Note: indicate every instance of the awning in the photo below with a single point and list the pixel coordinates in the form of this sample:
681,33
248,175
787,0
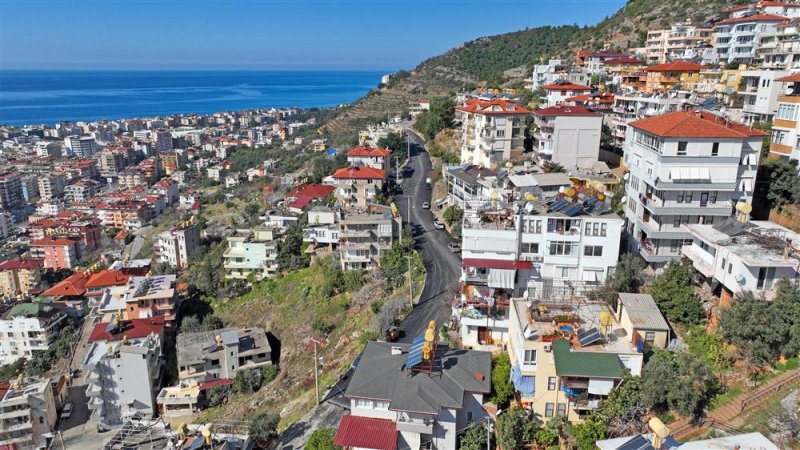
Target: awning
690,174
366,432
496,263
501,278
598,386
523,384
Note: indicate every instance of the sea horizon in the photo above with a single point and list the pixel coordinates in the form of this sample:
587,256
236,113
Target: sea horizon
31,96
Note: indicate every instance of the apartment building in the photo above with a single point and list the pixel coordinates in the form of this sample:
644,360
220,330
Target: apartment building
365,235
113,160
628,108
780,50
467,183
735,256
567,355
51,186
7,226
251,254
323,227
557,93
670,76
11,189
736,39
46,149
680,41
81,146
780,8
627,72
131,178
177,245
567,135
81,191
220,354
785,141
125,215
19,276
375,157
162,140
28,328
686,167
759,90
398,401
492,131
357,186
151,296
28,414
57,253
123,368
556,70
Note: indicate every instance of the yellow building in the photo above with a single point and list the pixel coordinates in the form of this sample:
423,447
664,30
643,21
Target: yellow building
18,277
720,80
665,77
567,355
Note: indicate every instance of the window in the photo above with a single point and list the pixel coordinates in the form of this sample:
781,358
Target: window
603,229
730,267
679,199
649,338
786,111
565,272
766,277
529,357
469,416
381,405
712,198
563,248
715,149
551,383
682,148
562,409
723,263
363,403
501,133
530,247
703,198
593,250
548,409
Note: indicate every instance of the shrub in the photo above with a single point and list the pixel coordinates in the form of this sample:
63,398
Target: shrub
269,373
264,428
247,381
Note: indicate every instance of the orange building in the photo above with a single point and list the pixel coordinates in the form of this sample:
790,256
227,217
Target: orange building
57,253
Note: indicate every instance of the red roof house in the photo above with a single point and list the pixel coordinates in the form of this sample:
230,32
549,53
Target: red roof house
695,124
366,432
359,173
134,328
370,152
72,286
496,106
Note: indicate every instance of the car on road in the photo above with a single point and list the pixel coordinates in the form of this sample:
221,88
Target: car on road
66,412
454,248
408,168
438,225
426,205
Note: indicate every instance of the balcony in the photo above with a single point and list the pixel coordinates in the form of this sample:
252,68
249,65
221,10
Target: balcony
701,260
412,425
17,426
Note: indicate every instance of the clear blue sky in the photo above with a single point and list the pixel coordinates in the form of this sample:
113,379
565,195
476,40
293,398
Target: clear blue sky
266,34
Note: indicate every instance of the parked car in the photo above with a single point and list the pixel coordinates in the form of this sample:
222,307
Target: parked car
454,248
66,412
426,205
438,225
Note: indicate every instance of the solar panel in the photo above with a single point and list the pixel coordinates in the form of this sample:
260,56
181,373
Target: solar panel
638,442
600,208
589,337
590,201
573,210
415,354
558,205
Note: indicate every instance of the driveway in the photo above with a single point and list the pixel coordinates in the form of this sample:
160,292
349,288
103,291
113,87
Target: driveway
443,267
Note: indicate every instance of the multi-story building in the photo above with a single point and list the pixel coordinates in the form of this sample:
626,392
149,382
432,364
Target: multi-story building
681,41
781,8
123,368
492,131
57,253
177,245
738,256
27,414
785,141
81,191
131,178
19,276
567,355
151,296
780,50
686,167
220,354
567,135
162,140
51,186
736,39
28,328
628,108
759,91
126,215
113,160
10,189
7,227
48,149
398,401
357,186
627,72
251,254
322,228
365,235
375,157
467,183
555,70
81,146
670,76
557,93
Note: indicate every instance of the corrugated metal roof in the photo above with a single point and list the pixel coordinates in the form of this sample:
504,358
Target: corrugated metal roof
643,312
366,432
497,264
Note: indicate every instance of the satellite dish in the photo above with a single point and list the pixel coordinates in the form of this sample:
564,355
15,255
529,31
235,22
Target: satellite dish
623,199
744,207
562,189
626,176
528,207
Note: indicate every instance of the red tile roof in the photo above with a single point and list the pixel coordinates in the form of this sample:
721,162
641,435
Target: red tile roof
694,124
566,87
217,382
565,111
753,18
369,151
497,264
762,4
793,78
301,202
21,264
311,190
496,106
622,60
72,286
359,172
136,328
108,277
48,241
676,66
366,432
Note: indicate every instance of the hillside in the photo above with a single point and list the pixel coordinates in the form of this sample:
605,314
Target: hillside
490,58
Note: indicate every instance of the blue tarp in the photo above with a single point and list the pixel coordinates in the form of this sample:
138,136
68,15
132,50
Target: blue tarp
522,383
332,151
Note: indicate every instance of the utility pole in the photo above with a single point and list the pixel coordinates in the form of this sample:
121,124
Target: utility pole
316,370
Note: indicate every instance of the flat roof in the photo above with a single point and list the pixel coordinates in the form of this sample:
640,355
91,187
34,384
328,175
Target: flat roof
759,243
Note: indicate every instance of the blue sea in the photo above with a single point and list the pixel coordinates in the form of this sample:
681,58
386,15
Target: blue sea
35,97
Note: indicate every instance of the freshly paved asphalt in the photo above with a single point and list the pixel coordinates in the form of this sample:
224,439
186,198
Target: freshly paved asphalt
442,266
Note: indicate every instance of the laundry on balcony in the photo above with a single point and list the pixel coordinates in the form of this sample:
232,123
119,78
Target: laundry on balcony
522,383
501,278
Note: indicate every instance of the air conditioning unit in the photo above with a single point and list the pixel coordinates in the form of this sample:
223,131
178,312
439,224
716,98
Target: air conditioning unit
548,347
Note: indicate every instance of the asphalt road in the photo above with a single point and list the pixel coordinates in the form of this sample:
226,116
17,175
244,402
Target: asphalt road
443,267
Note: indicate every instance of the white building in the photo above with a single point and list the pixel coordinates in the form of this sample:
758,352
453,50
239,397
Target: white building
555,70
162,140
51,186
786,124
48,149
28,328
736,39
567,135
628,108
492,131
759,91
81,146
557,93
365,235
780,50
27,415
323,227
176,246
251,254
81,191
735,257
685,168
681,41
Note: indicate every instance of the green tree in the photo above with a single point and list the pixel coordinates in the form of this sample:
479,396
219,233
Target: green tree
517,428
269,373
709,347
439,117
502,389
475,438
290,254
629,274
453,214
353,280
585,434
218,395
455,231
783,180
264,428
674,293
247,381
397,144
624,410
553,167
680,382
393,262
765,144
322,439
